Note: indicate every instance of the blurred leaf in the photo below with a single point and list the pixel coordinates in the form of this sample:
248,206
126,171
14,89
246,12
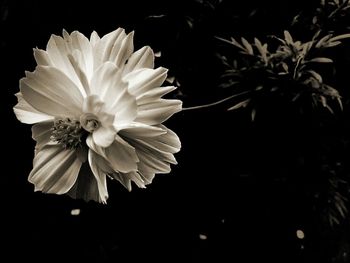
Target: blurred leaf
253,114
261,48
321,60
340,37
322,41
248,47
239,105
288,37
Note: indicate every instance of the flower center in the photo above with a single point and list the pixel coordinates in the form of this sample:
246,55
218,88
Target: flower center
68,132
89,122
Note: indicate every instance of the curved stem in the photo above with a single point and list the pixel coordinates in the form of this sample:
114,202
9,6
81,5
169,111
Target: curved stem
214,103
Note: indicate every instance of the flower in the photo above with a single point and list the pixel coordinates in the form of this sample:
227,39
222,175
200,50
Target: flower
97,110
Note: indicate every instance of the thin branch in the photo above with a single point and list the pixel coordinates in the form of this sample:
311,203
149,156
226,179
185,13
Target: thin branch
215,103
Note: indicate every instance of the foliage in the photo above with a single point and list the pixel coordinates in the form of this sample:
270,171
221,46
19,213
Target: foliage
290,71
299,74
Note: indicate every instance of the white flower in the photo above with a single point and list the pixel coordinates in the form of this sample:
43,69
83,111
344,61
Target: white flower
98,111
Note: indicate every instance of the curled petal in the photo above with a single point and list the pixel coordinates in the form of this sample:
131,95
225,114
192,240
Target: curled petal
104,136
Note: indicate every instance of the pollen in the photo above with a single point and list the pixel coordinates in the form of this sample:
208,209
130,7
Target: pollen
67,132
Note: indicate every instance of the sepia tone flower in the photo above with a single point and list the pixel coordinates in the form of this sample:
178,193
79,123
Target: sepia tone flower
97,110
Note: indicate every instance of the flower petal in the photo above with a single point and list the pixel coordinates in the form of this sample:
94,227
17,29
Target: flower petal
81,43
41,133
93,104
102,49
120,155
156,153
42,57
142,58
147,173
50,91
167,142
149,159
137,130
104,136
154,94
124,52
55,169
106,82
124,180
85,187
154,162
58,50
100,176
26,113
94,38
143,80
76,60
158,111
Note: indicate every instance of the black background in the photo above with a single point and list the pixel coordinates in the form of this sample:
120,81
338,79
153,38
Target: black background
223,186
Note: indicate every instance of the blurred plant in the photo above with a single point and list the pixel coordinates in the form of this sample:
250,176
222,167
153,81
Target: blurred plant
291,71
333,198
330,15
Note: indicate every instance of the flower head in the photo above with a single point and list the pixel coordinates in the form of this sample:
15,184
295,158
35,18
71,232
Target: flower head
97,110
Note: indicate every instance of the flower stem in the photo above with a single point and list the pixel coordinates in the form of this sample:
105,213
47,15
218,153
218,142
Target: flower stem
214,103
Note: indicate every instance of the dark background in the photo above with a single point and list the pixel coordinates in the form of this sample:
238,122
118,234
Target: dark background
237,194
